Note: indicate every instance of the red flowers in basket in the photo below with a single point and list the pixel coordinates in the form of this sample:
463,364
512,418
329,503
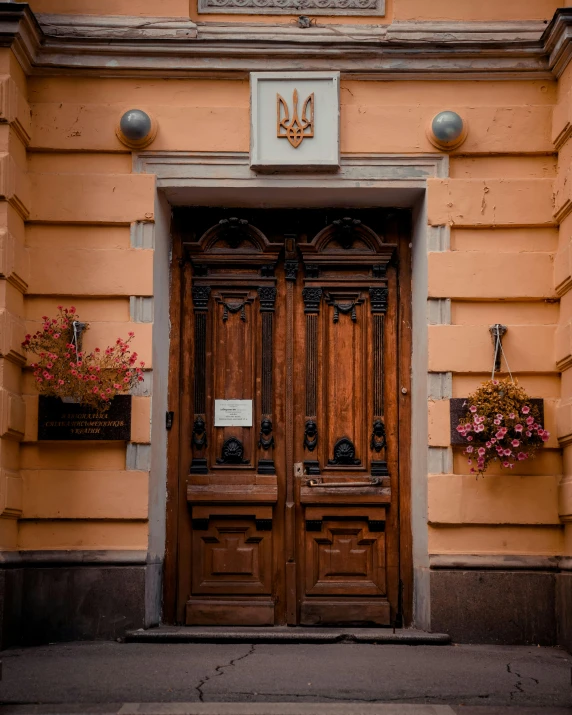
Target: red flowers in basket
63,370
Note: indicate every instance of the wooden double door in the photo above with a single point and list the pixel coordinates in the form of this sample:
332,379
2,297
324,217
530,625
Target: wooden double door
292,437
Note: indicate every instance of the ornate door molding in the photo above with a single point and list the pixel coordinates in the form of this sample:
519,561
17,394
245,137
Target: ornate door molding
292,518
349,510
232,484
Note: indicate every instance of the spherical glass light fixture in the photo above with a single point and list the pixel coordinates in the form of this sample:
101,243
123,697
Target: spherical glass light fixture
447,130
136,129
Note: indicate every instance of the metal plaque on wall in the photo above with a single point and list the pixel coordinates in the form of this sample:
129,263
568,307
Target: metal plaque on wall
233,413
59,420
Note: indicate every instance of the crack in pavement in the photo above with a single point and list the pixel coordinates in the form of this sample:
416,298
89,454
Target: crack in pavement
219,671
518,684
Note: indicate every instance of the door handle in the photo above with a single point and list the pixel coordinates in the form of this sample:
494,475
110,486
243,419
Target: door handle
373,482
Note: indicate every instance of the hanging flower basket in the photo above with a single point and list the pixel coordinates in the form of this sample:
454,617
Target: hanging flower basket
501,425
64,370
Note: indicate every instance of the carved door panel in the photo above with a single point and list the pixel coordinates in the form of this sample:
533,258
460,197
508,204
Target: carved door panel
232,484
292,517
346,411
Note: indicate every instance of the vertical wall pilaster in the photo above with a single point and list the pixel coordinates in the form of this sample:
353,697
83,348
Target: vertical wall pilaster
14,276
562,138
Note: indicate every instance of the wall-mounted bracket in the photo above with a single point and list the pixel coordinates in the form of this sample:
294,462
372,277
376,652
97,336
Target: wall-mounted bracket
497,332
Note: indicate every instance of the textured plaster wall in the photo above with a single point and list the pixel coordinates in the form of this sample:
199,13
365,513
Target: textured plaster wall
498,267
396,10
76,226
141,8
511,118
88,496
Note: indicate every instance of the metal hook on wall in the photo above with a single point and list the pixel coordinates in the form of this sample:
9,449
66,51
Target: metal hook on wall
78,329
497,332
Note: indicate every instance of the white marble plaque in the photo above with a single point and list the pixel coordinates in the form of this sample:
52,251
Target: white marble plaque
233,413
295,121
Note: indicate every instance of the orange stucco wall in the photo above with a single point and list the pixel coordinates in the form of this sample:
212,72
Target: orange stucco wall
69,196
396,10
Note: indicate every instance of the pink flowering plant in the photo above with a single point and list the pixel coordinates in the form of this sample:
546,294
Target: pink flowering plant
501,425
63,370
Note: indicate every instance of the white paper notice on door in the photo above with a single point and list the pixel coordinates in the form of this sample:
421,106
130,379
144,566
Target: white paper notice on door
233,413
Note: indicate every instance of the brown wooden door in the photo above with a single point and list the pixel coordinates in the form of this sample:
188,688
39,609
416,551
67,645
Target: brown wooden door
291,516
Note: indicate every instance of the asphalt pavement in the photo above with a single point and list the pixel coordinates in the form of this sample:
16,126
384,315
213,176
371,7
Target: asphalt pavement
285,679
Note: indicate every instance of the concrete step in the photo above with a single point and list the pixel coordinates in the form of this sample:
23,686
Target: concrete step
348,708
284,634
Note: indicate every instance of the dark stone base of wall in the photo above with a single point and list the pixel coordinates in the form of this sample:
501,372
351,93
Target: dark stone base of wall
11,590
41,604
564,609
497,607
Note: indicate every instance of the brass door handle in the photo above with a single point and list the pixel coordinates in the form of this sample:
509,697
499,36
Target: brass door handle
373,482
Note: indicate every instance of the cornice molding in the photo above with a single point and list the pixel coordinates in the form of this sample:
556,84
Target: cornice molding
441,37
401,51
556,41
116,28
116,46
20,30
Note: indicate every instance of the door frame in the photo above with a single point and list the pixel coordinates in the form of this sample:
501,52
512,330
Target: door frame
223,179
180,385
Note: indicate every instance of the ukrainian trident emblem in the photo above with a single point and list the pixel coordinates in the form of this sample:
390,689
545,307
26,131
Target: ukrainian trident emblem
299,127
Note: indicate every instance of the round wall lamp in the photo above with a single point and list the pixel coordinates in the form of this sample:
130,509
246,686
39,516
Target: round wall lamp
136,129
447,130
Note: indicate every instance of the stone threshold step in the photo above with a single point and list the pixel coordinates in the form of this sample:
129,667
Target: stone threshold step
348,708
284,634
227,708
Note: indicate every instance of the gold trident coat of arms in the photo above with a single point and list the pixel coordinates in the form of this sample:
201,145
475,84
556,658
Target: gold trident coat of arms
297,128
